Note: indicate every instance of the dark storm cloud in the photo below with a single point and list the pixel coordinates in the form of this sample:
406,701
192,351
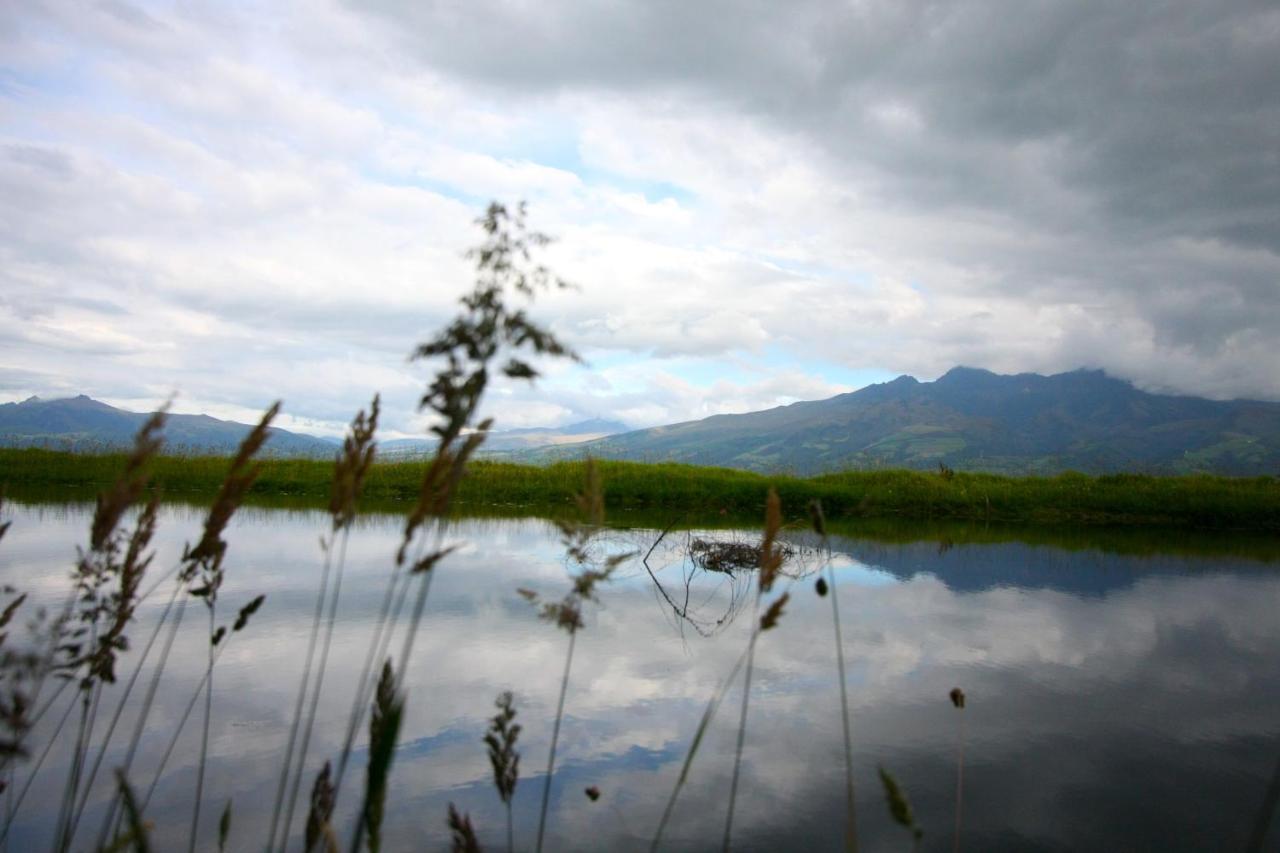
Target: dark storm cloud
1167,114
1117,160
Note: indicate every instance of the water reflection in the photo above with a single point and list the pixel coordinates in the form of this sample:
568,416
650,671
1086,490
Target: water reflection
1114,702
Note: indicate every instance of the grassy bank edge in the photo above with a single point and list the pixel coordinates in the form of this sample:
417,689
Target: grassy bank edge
1199,501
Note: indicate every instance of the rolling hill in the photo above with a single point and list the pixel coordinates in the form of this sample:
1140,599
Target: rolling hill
83,424
975,420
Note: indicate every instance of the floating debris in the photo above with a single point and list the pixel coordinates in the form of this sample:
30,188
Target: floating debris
729,557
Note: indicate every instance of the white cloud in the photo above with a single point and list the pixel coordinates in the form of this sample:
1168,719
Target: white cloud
206,196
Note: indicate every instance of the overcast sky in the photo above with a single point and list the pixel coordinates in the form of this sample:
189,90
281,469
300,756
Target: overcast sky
759,201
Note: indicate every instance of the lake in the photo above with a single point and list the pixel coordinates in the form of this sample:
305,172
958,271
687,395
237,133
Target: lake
1119,700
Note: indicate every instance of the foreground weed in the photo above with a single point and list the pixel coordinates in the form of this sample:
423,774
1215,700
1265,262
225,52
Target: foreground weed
488,334
384,730
900,807
771,557
958,702
500,740
819,521
462,834
318,819
349,473
576,537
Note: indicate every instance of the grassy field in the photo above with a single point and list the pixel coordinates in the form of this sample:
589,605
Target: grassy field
670,489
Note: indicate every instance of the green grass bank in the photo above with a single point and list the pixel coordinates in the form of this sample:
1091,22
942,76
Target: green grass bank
1125,499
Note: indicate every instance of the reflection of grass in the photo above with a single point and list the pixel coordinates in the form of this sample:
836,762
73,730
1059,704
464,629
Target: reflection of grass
1125,499
1130,540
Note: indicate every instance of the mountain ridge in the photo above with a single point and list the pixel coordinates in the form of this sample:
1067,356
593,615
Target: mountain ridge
83,424
974,419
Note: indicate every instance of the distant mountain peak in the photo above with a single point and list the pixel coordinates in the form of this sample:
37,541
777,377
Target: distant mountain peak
974,419
960,372
83,423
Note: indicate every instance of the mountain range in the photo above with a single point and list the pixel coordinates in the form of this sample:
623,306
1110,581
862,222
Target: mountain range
83,424
970,419
967,419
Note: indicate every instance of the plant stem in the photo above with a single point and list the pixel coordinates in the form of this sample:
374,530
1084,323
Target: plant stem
297,709
143,715
14,805
851,826
555,737
204,741
959,779
742,719
319,682
115,717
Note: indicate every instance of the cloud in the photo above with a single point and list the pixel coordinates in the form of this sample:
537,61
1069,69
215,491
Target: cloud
203,196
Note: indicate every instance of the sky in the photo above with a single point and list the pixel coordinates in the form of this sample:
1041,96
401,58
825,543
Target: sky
757,202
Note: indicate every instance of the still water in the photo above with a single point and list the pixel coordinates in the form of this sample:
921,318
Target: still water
1114,702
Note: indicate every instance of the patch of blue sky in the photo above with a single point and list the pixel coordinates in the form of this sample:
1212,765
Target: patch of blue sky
445,189
850,571
782,359
815,269
556,145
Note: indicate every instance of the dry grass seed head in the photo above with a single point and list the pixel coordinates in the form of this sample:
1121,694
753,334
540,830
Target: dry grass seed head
384,729
321,812
770,554
205,558
501,742
462,832
771,616
899,806
358,451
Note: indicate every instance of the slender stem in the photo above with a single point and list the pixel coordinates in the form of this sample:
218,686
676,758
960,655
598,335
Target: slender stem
707,716
959,779
1269,801
73,774
298,705
319,682
411,632
742,720
115,717
851,826
35,770
138,727
555,736
204,740
48,704
511,838
387,617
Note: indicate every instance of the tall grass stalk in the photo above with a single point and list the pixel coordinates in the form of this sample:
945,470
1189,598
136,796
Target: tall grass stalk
110,824
958,701
204,739
555,738
566,614
296,720
222,646
770,565
349,471
16,803
851,826
500,740
742,723
314,704
119,710
708,715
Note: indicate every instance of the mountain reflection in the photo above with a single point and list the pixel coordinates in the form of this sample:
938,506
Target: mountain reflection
1114,702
